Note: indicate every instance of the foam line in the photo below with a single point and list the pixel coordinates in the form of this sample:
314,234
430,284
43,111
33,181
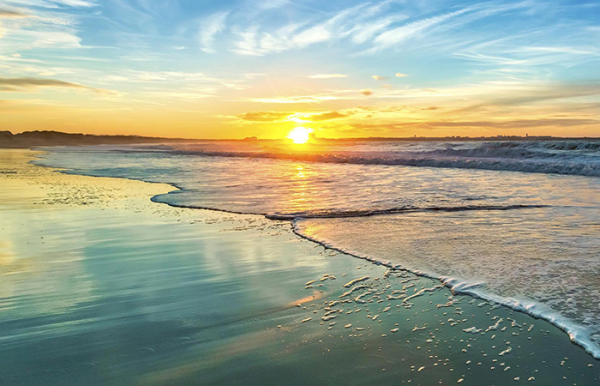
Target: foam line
578,334
554,157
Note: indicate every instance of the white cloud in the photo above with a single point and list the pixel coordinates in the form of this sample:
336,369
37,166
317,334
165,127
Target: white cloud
209,28
366,31
52,3
272,4
359,23
312,35
249,44
296,99
327,76
397,35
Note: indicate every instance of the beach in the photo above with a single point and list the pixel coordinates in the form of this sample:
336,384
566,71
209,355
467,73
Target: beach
100,285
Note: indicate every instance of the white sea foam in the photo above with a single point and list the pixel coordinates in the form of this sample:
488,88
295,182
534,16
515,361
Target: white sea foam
559,157
577,333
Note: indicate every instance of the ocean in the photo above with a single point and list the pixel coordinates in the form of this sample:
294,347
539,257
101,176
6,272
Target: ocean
512,222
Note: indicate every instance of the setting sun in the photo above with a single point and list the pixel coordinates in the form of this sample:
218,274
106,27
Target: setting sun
300,135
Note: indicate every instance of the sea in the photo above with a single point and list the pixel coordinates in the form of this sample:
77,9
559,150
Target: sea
512,222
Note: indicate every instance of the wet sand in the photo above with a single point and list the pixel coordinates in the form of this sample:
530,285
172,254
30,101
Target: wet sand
100,286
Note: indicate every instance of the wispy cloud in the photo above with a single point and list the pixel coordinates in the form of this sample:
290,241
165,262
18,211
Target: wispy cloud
278,116
9,13
30,28
514,124
209,28
265,116
397,35
366,31
157,76
32,84
327,76
360,23
326,116
53,3
296,99
191,95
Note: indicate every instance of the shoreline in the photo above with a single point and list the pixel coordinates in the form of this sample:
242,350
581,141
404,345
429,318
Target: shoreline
577,334
403,333
461,288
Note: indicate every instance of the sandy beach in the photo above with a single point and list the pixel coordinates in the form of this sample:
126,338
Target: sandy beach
278,192
102,286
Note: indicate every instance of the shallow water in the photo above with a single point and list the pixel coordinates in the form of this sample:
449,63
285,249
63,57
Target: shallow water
149,295
526,239
100,286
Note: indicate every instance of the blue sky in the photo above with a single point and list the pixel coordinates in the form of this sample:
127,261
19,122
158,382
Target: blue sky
344,68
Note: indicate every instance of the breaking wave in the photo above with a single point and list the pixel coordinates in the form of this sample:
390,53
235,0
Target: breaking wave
555,157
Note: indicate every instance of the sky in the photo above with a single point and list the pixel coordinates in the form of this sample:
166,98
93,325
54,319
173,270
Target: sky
343,68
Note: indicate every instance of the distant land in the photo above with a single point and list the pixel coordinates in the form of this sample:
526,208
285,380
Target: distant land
55,138
29,139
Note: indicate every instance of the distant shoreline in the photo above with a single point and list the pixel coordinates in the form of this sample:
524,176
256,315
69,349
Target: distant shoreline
28,139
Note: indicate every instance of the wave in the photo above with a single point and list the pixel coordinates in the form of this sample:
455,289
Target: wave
553,157
408,209
578,334
316,214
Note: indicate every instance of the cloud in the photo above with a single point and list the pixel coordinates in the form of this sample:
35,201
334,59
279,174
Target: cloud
378,129
209,28
31,84
366,92
8,13
536,93
310,36
367,31
296,99
265,116
271,4
31,29
76,3
277,116
508,124
327,76
379,77
179,95
400,75
326,116
360,22
55,3
515,124
397,35
158,76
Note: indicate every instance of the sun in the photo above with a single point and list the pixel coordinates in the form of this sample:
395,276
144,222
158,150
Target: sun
300,135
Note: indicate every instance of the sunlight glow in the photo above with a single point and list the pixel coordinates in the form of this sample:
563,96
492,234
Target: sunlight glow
300,135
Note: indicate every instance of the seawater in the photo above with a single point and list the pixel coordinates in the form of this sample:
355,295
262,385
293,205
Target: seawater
513,222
